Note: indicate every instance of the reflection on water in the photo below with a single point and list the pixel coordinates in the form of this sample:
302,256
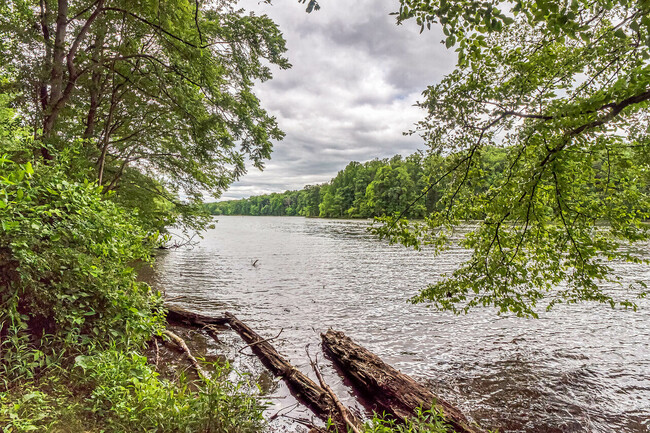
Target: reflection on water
579,368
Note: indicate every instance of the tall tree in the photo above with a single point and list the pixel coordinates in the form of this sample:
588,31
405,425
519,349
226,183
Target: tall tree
160,89
563,87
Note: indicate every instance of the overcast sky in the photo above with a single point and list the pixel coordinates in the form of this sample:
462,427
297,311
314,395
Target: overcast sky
350,94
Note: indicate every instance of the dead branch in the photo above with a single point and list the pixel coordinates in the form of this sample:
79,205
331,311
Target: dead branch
181,343
342,409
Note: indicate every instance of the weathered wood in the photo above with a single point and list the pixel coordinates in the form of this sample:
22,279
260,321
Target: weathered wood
302,387
355,427
394,392
181,315
183,346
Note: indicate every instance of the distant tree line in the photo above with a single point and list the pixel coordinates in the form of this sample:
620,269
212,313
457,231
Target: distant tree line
366,190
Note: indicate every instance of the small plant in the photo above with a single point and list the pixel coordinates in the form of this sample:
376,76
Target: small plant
424,421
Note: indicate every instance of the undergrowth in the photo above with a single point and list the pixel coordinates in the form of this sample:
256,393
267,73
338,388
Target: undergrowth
74,321
424,421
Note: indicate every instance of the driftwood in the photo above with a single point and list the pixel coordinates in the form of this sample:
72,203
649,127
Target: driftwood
394,392
181,344
181,315
302,387
355,427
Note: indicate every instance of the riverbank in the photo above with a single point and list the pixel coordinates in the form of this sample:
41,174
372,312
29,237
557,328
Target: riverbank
74,321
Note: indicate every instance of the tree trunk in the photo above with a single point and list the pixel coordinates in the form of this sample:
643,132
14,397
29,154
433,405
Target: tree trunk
96,85
302,387
180,315
394,392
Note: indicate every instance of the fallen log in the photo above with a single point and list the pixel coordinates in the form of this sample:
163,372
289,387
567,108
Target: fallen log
394,392
303,388
181,315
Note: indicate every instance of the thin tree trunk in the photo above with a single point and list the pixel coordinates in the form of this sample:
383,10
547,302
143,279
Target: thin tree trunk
95,86
305,389
56,75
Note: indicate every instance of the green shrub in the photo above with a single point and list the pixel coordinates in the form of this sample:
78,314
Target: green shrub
127,395
424,421
73,319
66,257
116,391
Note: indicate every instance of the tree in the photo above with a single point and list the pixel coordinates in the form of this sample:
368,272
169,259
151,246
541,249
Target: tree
162,90
391,190
310,200
563,88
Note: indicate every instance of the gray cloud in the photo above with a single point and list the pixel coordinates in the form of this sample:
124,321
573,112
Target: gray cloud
351,92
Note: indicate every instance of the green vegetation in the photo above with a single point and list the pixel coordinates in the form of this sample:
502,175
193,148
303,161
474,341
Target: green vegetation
424,421
156,98
73,319
564,87
372,189
109,110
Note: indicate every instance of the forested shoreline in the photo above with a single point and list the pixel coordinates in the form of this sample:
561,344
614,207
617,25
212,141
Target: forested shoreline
366,190
379,187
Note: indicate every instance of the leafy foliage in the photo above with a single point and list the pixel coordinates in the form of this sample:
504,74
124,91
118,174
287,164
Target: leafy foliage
563,88
73,317
67,260
358,191
160,92
109,112
127,396
424,421
117,391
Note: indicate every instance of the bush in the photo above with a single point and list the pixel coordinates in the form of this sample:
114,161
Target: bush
73,319
117,391
127,395
66,262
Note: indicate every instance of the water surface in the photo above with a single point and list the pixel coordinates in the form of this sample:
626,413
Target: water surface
578,368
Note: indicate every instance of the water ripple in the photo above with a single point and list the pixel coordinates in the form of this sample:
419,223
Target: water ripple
579,368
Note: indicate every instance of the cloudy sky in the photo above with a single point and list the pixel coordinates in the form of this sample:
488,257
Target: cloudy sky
350,93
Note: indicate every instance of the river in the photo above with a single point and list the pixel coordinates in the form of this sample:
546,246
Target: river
578,368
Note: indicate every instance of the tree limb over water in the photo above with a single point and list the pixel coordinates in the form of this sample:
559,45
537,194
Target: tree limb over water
563,89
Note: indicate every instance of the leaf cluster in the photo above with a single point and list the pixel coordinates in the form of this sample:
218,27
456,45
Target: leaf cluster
563,88
68,257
